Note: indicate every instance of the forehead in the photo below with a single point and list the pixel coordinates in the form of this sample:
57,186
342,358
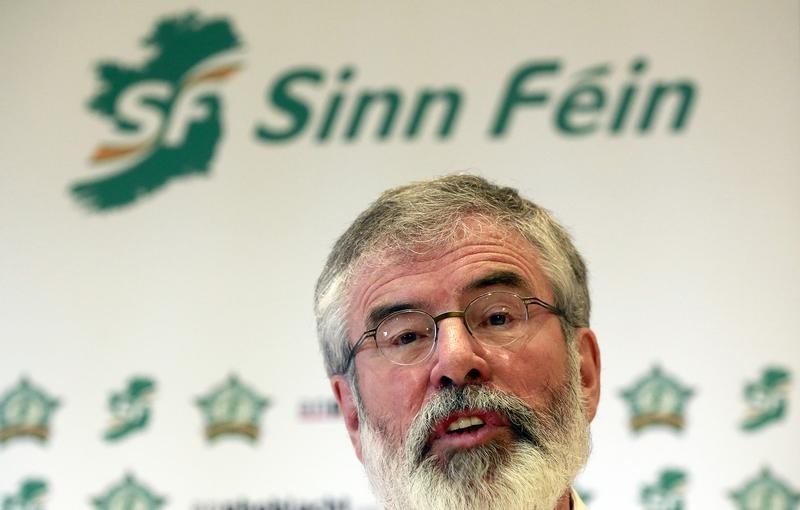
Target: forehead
442,278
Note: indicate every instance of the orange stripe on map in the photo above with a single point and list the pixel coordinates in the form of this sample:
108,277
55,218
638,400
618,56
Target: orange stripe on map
111,152
219,73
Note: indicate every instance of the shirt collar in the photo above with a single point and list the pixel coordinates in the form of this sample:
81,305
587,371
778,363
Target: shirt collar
577,504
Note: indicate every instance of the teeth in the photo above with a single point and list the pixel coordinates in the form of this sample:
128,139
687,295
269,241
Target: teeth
463,423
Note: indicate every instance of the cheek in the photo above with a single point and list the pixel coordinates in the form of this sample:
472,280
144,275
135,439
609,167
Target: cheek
535,370
392,399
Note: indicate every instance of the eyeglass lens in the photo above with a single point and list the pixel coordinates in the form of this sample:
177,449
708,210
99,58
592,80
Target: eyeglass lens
495,319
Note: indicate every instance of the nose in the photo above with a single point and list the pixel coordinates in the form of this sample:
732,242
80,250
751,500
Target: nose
459,358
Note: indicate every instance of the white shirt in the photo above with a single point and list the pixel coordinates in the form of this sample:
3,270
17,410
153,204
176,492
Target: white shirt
577,504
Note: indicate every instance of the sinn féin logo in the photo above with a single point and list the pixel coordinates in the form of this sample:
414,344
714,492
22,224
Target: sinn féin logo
128,494
657,399
130,408
29,496
232,409
666,493
169,121
25,412
765,492
766,398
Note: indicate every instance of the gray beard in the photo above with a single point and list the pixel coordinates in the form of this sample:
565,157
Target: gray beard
533,472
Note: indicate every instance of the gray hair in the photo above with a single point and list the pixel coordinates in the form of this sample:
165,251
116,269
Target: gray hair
427,214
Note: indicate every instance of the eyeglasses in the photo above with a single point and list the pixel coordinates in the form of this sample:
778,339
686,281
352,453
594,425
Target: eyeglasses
494,319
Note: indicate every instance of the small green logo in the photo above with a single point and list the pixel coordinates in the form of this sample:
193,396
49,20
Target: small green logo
25,412
232,409
169,120
128,494
765,492
30,496
130,408
657,399
766,398
666,493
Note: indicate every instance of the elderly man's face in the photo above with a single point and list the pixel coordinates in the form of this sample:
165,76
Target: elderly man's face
534,369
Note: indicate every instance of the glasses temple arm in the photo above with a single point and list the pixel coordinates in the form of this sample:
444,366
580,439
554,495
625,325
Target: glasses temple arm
545,305
354,349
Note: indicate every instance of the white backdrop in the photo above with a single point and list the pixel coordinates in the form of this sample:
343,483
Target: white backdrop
691,233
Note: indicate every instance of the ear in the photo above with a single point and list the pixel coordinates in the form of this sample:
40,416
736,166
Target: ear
344,396
590,369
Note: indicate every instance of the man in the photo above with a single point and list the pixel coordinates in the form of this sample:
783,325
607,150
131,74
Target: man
453,316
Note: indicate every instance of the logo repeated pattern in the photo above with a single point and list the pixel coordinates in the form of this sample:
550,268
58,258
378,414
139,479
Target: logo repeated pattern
767,398
657,399
25,412
30,496
666,493
232,409
766,492
130,408
127,494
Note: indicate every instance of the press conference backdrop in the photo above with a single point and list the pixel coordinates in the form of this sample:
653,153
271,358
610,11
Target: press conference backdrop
174,174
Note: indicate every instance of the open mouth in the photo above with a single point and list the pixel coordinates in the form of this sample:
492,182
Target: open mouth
464,425
465,430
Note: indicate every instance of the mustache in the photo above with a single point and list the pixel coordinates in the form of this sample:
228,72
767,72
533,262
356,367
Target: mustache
523,420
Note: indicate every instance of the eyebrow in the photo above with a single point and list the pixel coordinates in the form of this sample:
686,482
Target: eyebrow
505,278
381,312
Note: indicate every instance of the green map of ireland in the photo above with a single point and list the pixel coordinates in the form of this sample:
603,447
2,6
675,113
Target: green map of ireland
149,161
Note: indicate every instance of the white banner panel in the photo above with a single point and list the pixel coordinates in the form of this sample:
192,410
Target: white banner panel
173,175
